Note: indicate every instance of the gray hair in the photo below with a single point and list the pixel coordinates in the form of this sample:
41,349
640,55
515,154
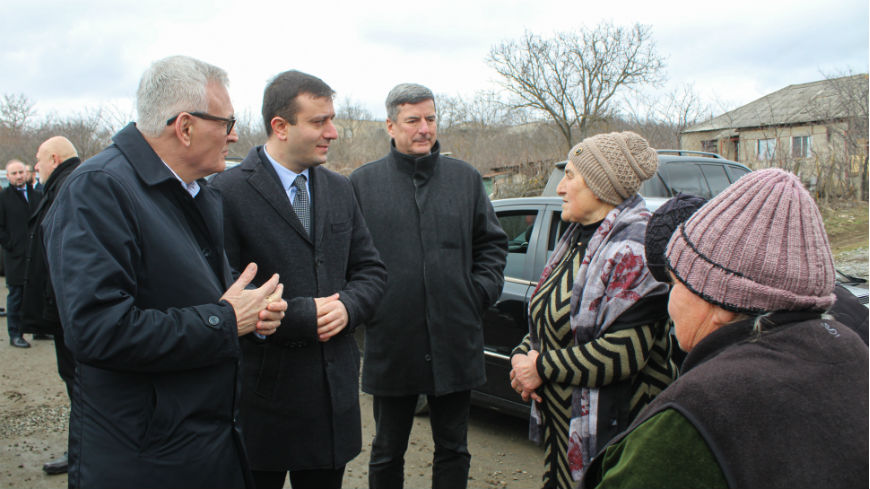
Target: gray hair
406,93
173,85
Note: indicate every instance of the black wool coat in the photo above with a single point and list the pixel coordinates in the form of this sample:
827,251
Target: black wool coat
300,396
38,306
14,213
155,398
438,234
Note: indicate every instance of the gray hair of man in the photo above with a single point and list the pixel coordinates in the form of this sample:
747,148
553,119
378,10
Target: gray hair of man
406,93
173,85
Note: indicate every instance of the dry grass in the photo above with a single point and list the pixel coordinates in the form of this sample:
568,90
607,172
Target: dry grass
847,225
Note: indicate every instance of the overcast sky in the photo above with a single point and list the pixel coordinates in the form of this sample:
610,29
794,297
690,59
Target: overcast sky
75,56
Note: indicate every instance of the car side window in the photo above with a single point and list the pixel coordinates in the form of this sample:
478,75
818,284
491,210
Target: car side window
557,229
687,178
716,178
519,226
654,187
736,172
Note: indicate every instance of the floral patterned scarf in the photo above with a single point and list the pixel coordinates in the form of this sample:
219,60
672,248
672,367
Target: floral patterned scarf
611,278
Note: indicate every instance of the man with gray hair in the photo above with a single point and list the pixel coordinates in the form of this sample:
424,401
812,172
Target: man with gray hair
134,245
438,235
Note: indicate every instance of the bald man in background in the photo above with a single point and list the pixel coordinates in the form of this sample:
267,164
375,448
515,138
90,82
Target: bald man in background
56,158
17,202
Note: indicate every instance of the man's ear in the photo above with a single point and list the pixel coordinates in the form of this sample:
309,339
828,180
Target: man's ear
389,127
279,127
183,128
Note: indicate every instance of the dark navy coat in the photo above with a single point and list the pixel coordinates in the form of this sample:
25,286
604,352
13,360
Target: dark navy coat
157,351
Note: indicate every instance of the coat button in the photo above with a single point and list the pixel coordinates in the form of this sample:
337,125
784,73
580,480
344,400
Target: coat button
428,357
214,320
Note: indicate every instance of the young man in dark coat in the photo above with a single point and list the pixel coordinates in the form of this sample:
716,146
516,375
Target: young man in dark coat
134,245
56,158
436,230
17,202
300,395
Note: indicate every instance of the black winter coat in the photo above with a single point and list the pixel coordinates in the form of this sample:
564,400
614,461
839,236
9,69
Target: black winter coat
156,350
14,213
300,396
438,234
38,307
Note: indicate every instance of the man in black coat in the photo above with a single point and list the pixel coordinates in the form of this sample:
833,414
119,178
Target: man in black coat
438,234
56,158
17,202
134,247
300,394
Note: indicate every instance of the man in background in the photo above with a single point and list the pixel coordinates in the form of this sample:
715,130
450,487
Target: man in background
56,158
17,202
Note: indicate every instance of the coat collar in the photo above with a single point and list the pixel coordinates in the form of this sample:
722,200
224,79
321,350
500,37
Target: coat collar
67,166
740,331
263,178
421,168
149,167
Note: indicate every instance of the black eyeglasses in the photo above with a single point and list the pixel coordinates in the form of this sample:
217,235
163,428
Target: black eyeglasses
202,115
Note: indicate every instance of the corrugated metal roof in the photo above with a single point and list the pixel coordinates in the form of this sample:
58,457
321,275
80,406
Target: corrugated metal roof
794,104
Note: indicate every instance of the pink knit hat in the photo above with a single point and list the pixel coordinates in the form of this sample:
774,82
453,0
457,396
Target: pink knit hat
759,246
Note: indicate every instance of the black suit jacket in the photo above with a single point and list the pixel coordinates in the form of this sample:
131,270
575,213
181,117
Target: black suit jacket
14,213
300,396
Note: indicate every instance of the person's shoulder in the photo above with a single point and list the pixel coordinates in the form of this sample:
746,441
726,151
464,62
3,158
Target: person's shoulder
331,177
453,161
369,168
226,178
237,173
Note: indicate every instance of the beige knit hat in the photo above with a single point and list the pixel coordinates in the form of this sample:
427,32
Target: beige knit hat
614,164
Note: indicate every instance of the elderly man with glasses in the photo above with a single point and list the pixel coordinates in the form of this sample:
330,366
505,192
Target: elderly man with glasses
134,244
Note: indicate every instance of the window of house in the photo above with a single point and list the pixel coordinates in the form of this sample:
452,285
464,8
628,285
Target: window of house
766,149
800,146
710,146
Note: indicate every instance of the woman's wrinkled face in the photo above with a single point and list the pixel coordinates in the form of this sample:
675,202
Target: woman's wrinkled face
693,317
579,204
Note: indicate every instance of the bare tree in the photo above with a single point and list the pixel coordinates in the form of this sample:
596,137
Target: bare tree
360,137
249,127
661,118
16,111
573,77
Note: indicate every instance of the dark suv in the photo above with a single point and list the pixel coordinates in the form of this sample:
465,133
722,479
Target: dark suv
691,172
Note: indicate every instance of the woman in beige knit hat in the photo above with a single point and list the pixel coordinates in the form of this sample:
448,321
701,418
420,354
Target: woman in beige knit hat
598,348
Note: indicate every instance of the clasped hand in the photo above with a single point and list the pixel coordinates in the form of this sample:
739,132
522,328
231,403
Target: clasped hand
331,316
260,309
524,375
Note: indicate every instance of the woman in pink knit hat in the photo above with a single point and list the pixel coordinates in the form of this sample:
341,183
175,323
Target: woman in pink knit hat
773,392
598,348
